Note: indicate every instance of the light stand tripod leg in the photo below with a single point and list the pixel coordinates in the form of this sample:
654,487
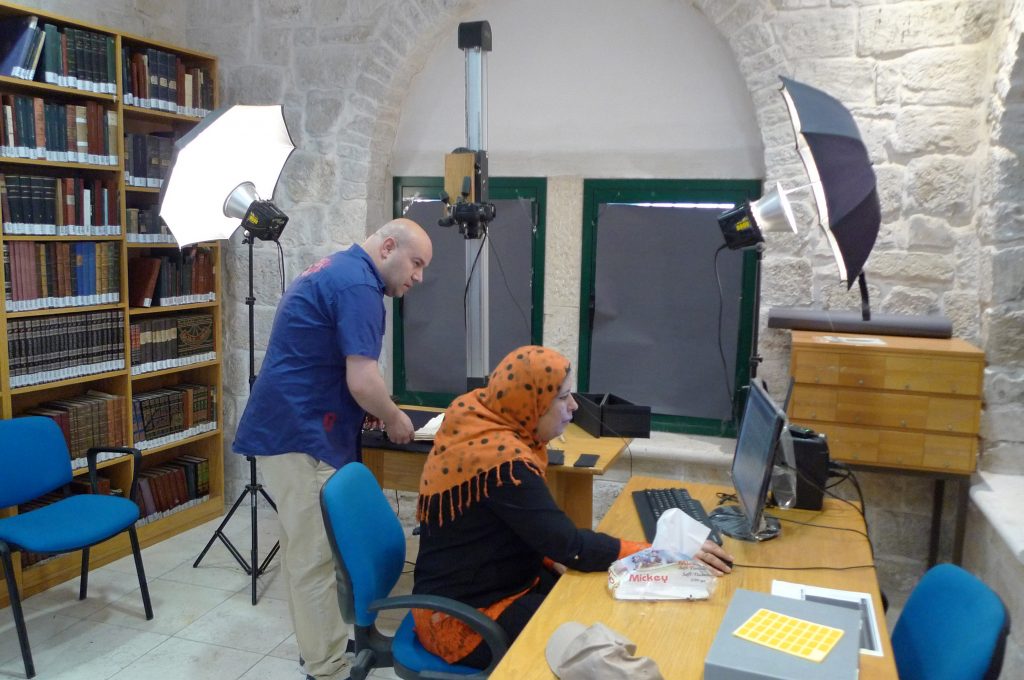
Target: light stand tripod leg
253,489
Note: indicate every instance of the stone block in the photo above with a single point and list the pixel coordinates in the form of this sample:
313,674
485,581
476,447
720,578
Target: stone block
1003,423
816,34
751,39
936,130
890,184
941,185
963,310
275,45
310,177
928,233
905,300
260,85
1003,328
1005,458
786,282
910,267
1004,385
944,76
323,112
326,67
903,27
1001,222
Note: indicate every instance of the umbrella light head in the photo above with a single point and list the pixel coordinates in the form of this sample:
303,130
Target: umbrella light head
745,225
262,219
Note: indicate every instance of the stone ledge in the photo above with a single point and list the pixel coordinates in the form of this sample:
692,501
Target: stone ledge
1000,498
668,454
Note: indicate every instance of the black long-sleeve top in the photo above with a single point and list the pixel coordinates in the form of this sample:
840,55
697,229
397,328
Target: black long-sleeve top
495,547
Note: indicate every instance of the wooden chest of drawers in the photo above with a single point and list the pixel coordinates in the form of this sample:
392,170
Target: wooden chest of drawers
890,401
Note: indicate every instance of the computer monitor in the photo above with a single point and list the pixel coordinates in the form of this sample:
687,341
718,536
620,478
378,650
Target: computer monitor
752,470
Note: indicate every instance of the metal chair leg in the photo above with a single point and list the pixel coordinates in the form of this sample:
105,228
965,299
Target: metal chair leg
83,583
19,617
143,585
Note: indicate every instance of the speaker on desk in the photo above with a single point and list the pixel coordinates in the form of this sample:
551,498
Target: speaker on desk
811,452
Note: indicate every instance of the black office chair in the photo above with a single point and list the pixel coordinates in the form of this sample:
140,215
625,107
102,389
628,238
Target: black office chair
369,555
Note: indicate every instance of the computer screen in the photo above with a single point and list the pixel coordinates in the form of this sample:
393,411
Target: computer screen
752,468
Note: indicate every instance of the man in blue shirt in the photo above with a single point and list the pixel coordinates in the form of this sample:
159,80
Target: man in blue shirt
305,411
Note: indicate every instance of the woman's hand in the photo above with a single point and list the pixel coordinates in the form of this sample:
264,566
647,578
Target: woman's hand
715,557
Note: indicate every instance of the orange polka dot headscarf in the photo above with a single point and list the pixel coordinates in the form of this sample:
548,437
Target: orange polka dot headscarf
488,428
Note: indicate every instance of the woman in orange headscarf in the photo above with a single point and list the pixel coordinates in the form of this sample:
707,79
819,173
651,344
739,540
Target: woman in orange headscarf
491,535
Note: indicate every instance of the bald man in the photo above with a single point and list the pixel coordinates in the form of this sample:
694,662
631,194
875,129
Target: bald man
305,412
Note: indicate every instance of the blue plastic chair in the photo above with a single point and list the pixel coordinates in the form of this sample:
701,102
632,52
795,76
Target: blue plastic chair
369,555
34,460
953,627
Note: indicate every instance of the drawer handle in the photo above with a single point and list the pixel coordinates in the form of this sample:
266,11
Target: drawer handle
814,414
949,428
907,386
817,379
903,423
860,381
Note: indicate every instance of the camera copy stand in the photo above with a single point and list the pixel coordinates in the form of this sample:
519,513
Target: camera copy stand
253,489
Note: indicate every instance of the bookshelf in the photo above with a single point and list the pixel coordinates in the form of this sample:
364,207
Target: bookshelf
113,356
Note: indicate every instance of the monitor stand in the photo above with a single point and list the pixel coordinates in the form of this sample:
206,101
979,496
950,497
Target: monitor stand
731,521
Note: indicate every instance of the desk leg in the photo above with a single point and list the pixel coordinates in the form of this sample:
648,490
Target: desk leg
938,493
575,495
962,496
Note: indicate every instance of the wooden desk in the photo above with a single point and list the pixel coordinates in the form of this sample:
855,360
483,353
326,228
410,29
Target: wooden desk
678,635
572,487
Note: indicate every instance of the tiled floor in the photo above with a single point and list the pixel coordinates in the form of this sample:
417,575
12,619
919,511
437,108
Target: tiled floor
204,625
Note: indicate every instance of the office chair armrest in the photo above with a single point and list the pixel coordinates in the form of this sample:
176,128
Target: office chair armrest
491,632
126,450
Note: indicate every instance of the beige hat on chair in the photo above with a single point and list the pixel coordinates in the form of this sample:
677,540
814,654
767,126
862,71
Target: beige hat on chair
578,652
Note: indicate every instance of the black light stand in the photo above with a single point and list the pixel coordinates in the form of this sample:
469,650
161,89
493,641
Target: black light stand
253,489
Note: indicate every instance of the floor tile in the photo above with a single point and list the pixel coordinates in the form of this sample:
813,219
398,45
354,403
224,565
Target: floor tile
41,626
178,659
175,606
86,650
272,668
105,586
289,649
219,571
236,623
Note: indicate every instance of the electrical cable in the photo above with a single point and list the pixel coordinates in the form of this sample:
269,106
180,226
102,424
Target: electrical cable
721,305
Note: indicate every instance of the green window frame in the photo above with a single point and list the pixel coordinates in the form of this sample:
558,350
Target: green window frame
603,191
500,188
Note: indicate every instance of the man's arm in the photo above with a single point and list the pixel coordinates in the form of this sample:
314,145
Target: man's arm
368,389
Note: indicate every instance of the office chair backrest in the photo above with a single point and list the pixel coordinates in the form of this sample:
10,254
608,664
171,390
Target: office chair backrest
33,459
953,626
365,534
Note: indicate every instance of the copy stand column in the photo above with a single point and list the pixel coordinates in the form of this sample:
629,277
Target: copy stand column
253,489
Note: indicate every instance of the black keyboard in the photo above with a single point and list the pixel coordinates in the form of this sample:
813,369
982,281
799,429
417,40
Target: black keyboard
651,503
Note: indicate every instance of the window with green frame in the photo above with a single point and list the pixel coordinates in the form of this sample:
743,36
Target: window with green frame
666,313
429,322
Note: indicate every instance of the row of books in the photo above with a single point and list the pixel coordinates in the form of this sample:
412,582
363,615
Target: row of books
32,205
79,59
180,278
166,342
35,128
49,348
70,57
176,485
172,414
21,43
44,275
147,159
155,79
146,226
94,418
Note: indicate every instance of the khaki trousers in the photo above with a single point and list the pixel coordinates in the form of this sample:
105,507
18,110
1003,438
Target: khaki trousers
294,481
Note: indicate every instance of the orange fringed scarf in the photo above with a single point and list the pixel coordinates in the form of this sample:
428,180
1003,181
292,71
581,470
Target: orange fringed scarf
488,428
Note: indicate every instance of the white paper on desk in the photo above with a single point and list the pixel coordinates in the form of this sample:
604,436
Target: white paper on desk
667,570
870,642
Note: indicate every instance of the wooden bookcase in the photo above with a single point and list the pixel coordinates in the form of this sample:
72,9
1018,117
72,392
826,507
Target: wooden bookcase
121,115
